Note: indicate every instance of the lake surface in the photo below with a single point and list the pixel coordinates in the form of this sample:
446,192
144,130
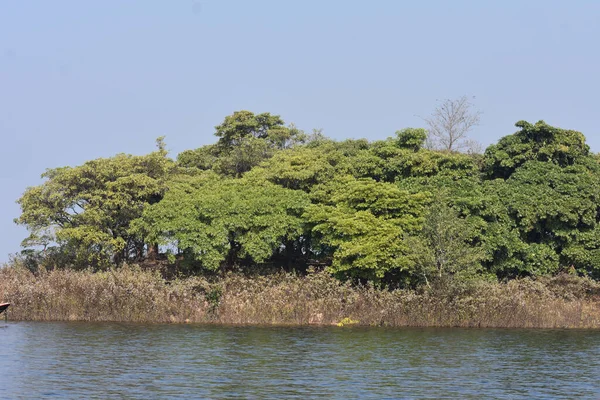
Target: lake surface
108,360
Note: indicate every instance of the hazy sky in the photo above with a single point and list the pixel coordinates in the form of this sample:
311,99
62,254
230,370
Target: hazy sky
86,79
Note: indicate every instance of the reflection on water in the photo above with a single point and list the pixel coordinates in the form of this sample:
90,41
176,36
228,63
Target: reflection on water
88,360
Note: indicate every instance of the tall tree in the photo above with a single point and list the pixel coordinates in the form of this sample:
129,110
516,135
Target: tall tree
246,139
411,138
203,158
542,188
220,222
363,223
538,141
444,248
87,210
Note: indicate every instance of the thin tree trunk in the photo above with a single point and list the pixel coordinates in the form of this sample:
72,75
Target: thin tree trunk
152,252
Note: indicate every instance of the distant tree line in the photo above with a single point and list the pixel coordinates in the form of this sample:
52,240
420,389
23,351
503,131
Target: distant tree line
394,211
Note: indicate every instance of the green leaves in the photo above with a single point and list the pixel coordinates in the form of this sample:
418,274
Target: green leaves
90,207
538,141
364,221
555,210
412,139
387,210
244,124
218,220
246,139
444,246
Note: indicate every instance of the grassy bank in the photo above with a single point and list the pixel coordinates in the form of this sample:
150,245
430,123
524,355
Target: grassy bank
131,294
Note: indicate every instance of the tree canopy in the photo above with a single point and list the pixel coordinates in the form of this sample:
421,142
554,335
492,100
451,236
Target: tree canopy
538,141
392,211
216,221
87,210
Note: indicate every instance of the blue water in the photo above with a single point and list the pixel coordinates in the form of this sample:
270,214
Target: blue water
107,360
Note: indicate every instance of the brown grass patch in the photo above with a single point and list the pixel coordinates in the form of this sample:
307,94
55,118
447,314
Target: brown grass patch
135,295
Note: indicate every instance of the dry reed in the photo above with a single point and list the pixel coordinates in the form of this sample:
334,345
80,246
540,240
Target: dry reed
135,295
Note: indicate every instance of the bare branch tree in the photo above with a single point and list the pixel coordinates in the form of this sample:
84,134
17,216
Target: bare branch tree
450,123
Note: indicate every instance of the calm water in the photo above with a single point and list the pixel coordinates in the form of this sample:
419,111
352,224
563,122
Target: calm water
83,360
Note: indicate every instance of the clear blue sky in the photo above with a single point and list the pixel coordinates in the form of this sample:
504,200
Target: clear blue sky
86,79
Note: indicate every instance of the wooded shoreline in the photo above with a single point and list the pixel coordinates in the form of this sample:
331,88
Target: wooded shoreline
130,294
395,212
270,225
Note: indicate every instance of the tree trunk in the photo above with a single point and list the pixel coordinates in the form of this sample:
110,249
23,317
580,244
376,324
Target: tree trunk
152,252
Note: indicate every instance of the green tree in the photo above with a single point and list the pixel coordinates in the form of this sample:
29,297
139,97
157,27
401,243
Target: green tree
362,223
246,139
445,245
546,195
245,124
243,157
87,210
220,222
202,158
411,138
303,167
300,168
400,161
555,210
538,141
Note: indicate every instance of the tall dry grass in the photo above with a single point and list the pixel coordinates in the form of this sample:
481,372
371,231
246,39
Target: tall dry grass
124,294
132,294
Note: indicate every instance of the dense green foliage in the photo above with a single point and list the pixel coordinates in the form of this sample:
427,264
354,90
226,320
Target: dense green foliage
84,213
364,222
215,220
389,210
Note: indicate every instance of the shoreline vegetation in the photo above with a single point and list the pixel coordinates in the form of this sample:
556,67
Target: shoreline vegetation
271,225
131,294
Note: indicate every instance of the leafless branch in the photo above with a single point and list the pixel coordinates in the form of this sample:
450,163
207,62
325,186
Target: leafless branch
450,123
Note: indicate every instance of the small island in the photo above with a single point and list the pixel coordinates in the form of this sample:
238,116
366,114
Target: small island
272,225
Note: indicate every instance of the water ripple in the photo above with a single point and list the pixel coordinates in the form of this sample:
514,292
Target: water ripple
87,360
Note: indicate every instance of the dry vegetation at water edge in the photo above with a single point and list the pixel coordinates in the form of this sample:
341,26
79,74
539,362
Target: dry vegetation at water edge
134,295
